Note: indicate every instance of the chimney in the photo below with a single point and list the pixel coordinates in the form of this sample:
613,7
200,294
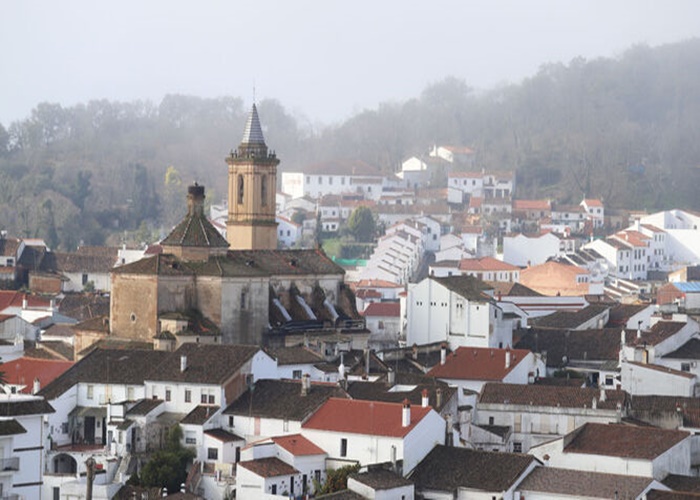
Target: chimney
508,358
195,200
37,386
424,398
24,302
391,377
305,384
443,353
438,397
602,394
393,458
414,351
406,414
183,363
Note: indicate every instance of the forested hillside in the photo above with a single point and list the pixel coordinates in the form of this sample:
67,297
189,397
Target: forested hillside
625,129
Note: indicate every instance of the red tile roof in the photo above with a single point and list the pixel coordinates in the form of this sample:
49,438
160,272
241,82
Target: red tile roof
392,309
591,202
364,417
375,283
23,371
14,299
542,205
297,445
478,363
486,264
619,440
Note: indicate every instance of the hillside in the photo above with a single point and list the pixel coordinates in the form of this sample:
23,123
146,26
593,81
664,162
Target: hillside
624,129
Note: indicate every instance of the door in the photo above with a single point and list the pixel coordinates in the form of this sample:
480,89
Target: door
89,430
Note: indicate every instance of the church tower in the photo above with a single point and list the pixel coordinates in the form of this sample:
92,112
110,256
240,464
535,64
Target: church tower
252,184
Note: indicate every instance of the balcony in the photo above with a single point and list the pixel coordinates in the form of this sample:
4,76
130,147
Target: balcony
9,464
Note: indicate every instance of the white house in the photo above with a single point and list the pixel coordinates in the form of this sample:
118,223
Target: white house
620,449
334,177
469,368
595,210
537,413
521,250
22,444
373,432
288,232
455,309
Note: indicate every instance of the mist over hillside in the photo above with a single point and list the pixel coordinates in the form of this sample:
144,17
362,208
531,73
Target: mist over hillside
623,129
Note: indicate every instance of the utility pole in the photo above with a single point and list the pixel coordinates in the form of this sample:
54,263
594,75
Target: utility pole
90,464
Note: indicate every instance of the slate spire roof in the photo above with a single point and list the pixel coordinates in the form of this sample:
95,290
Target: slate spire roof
253,133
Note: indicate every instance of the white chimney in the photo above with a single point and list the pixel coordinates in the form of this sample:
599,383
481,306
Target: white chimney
406,414
24,302
36,387
425,398
594,404
438,397
508,356
341,367
391,377
305,384
443,353
183,363
602,394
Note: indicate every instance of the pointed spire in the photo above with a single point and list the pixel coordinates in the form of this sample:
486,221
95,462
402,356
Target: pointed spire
253,131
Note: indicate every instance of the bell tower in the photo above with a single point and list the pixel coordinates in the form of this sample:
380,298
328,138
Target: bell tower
252,183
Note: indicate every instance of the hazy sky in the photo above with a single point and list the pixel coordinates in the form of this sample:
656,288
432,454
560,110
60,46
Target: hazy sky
322,59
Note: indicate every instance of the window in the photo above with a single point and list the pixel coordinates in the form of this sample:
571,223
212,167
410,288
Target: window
685,367
343,447
212,399
212,454
320,180
263,191
243,299
517,447
190,438
490,420
90,391
85,279
273,489
230,421
342,181
330,181
204,398
241,189
188,396
167,394
296,374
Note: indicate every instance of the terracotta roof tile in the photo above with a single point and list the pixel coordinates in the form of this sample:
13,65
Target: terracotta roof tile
572,483
486,264
618,440
364,417
23,371
268,467
478,363
551,396
448,468
298,445
383,309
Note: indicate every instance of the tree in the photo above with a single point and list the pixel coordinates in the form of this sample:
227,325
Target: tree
362,225
337,480
168,467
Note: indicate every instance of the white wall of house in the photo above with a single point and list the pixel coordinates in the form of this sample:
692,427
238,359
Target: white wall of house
251,486
77,281
521,250
639,380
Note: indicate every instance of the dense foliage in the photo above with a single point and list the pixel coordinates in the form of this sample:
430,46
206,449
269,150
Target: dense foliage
167,468
336,479
624,129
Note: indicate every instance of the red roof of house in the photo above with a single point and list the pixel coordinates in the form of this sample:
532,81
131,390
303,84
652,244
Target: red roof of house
634,238
375,283
23,371
372,418
368,294
478,363
475,202
297,445
392,309
532,205
486,264
10,298
592,202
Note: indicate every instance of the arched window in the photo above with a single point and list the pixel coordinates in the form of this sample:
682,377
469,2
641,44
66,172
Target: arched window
263,191
240,189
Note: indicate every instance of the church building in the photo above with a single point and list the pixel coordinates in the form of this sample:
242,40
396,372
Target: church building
231,291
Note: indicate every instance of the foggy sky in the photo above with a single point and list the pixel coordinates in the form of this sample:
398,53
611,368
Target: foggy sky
325,60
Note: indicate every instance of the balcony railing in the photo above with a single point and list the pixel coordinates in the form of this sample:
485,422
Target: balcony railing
9,464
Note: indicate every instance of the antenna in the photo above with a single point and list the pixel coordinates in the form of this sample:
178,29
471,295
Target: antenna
254,102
